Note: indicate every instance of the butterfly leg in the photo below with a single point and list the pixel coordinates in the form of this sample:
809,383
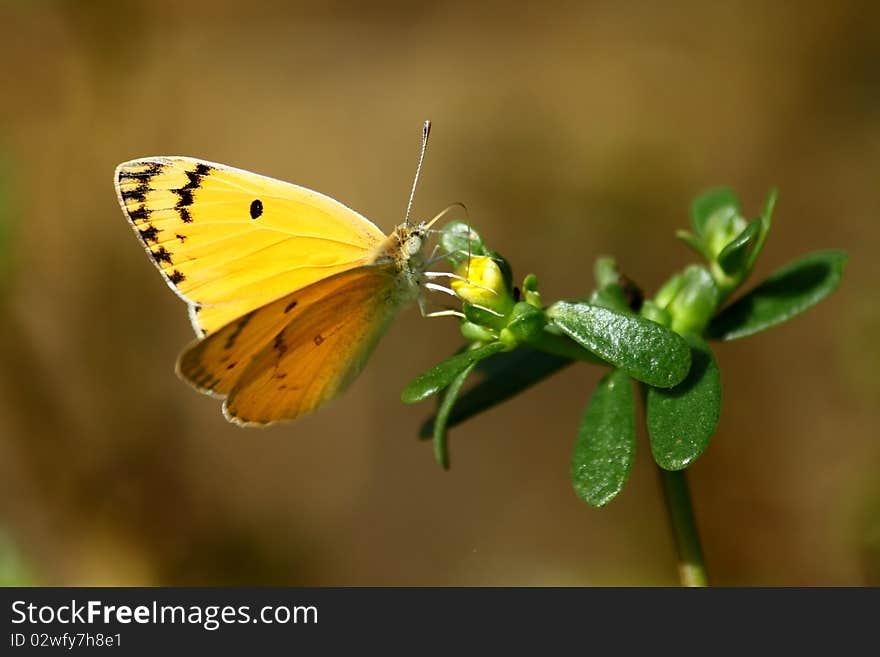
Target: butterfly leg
445,313
446,274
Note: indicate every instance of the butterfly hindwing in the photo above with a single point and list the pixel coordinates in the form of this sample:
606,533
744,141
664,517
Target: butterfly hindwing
290,356
316,356
229,241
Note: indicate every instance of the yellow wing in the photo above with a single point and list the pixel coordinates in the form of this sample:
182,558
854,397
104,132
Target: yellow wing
229,241
290,356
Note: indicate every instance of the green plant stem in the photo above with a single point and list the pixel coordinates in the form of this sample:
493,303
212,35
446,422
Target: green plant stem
691,569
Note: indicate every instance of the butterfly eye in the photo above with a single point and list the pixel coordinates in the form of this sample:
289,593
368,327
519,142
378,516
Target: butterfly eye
413,245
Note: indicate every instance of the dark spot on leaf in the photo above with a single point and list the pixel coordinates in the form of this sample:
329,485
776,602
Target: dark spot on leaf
290,306
256,208
231,365
319,339
279,345
282,375
176,277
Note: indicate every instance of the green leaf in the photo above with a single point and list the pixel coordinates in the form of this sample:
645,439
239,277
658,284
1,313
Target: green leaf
444,373
606,441
460,240
766,223
647,351
504,376
605,271
710,202
682,420
441,453
694,242
695,301
789,291
734,258
611,296
526,323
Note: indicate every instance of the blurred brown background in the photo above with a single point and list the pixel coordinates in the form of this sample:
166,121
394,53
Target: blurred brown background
570,130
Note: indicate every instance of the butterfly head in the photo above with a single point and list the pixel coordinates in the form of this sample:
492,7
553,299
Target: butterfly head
407,243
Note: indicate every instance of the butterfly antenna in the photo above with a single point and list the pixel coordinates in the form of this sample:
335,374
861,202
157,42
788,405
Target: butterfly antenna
426,130
444,212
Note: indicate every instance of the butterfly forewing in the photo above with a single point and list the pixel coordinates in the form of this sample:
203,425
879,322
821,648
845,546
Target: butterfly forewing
229,241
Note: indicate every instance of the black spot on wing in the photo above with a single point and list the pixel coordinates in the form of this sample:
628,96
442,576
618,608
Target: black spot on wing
176,277
186,198
202,378
150,233
194,182
319,339
138,194
182,238
162,255
141,214
239,327
203,169
149,170
195,176
256,208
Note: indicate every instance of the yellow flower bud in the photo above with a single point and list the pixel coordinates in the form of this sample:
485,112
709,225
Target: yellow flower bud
481,283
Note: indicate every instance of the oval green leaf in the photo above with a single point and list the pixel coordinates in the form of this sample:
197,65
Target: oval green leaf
606,441
695,243
682,420
504,376
766,223
710,202
734,257
444,373
695,302
647,351
789,291
460,240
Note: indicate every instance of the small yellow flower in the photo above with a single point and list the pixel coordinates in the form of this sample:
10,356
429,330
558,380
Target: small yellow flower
480,282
